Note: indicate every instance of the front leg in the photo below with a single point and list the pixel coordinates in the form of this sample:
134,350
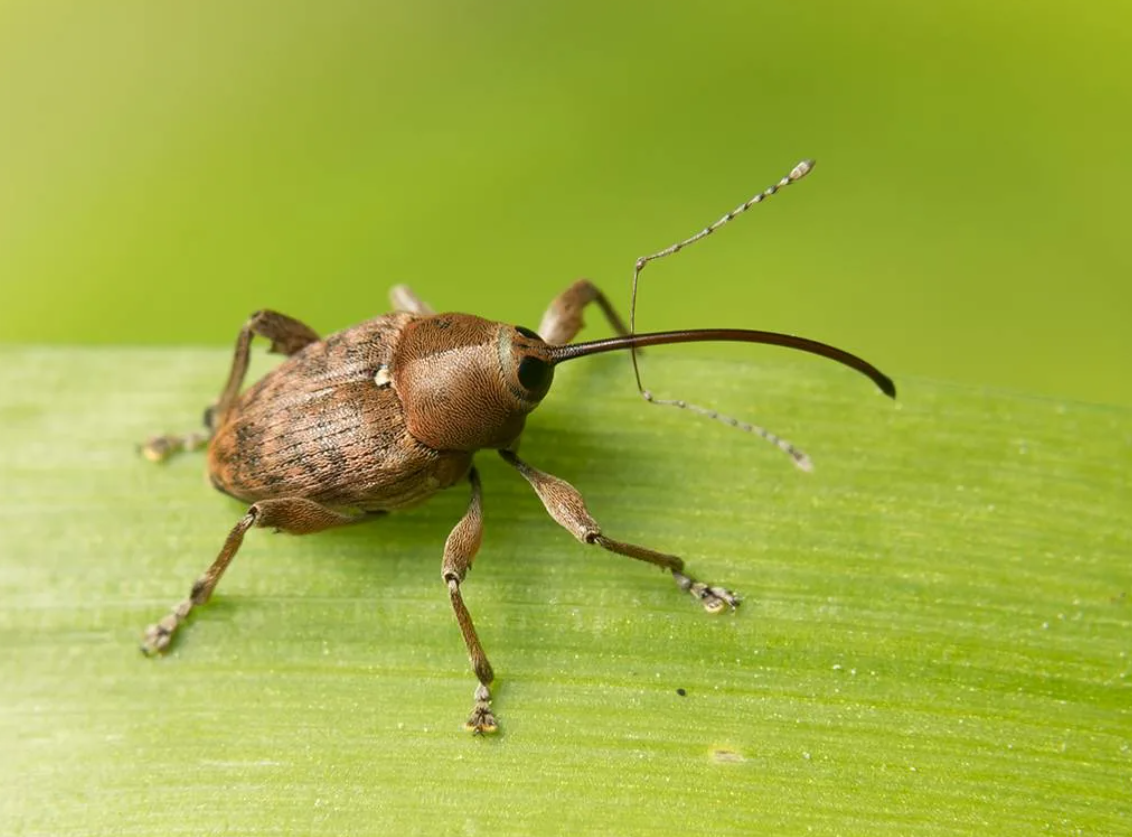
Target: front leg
459,551
566,506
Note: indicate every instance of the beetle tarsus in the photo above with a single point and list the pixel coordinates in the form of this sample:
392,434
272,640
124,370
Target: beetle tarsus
714,599
161,448
482,720
158,635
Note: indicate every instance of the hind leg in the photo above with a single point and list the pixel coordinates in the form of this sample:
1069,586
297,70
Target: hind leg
287,336
294,514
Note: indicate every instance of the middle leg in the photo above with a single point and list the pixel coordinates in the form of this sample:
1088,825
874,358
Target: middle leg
405,299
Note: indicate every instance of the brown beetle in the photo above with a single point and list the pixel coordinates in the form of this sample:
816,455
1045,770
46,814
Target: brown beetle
381,416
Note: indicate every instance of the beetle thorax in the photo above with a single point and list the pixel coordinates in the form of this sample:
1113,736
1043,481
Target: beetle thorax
458,377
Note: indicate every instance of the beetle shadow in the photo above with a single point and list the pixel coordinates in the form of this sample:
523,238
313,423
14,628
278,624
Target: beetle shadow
397,550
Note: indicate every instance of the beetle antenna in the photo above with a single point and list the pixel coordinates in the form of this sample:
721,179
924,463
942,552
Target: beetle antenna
800,459
557,354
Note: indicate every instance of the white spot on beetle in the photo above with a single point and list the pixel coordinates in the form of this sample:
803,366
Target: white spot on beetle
382,377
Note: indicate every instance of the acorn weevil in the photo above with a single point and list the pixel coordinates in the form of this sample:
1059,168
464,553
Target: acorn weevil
381,416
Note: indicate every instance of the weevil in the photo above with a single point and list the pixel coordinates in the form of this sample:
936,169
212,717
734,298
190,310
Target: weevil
381,416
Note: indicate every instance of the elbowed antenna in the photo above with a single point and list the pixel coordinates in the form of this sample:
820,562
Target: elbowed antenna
800,459
725,335
797,173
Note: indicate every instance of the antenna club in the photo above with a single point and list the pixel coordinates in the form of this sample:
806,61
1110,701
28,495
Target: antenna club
801,170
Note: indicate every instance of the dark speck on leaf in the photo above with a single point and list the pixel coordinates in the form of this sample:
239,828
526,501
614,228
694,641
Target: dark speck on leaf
681,692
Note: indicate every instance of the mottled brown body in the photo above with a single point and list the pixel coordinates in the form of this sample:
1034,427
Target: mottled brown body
380,416
319,427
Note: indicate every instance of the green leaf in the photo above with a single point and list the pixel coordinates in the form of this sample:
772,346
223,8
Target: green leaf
935,635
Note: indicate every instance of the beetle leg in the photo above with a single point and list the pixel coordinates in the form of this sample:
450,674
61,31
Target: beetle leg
293,514
563,319
160,448
287,336
459,551
404,299
566,506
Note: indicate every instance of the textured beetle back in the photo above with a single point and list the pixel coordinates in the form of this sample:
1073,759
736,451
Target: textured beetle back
327,425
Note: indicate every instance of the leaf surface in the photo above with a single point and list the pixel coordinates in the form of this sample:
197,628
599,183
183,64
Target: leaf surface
935,635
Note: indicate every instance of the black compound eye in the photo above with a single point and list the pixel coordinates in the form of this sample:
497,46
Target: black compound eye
535,374
526,332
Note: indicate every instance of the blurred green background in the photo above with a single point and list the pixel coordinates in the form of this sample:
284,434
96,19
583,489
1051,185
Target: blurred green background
168,168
